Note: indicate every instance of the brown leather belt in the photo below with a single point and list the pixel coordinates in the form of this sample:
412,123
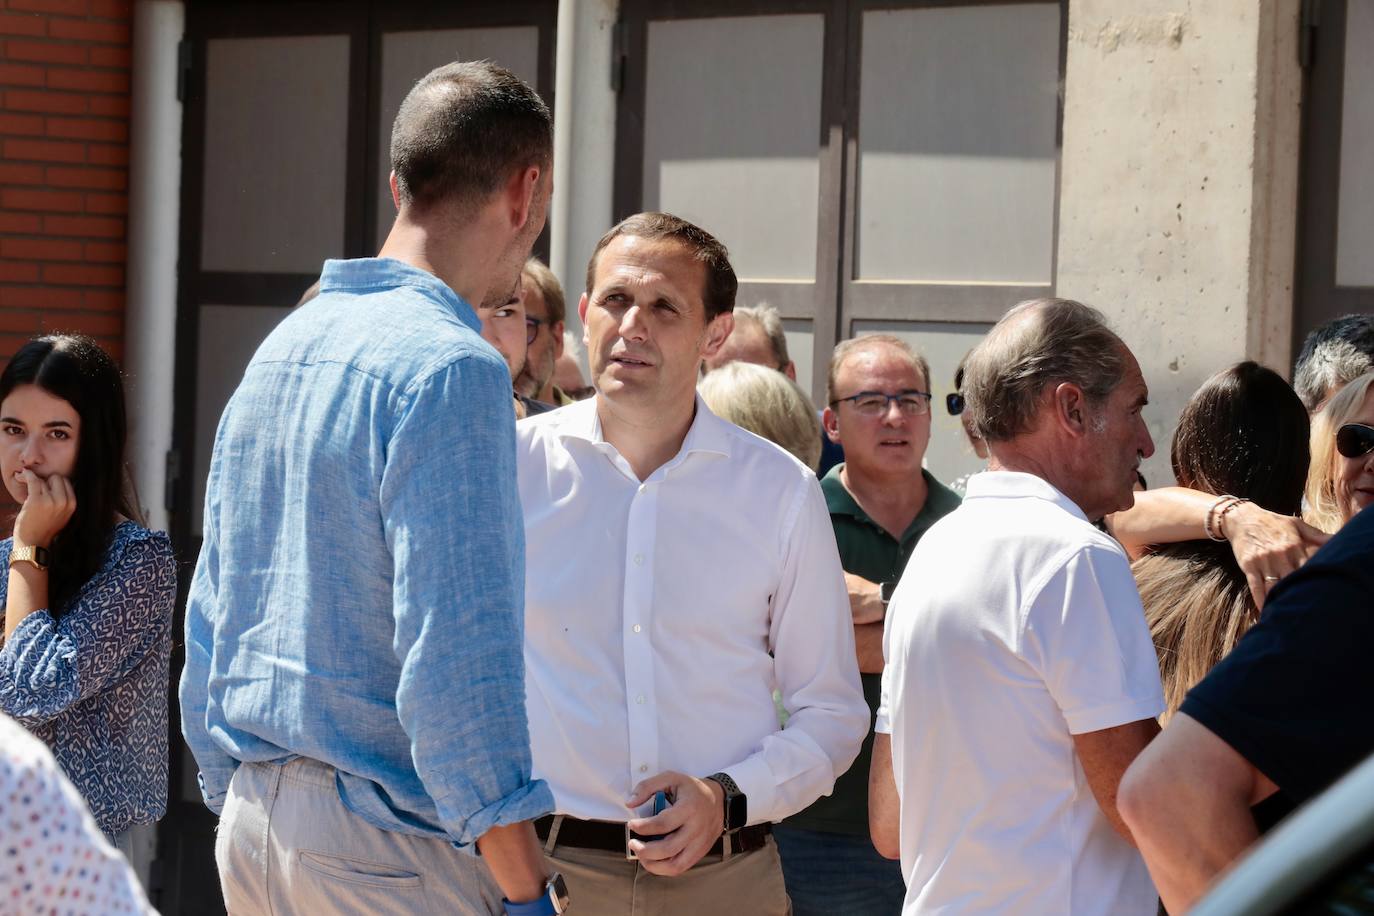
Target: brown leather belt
609,836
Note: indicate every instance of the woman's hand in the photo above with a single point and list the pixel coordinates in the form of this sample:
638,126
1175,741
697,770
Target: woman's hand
47,509
1269,546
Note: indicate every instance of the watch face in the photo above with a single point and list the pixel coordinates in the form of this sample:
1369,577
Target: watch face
736,812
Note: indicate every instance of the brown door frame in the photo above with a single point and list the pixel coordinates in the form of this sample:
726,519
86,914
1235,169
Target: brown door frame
835,300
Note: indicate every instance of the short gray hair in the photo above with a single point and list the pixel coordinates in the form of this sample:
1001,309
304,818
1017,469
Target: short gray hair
1333,355
847,348
770,322
768,404
1038,343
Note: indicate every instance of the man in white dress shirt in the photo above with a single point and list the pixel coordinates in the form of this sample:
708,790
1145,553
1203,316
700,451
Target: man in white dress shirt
1020,679
680,569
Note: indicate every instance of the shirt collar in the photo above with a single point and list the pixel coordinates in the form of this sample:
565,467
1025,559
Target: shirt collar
1018,485
708,432
364,275
940,501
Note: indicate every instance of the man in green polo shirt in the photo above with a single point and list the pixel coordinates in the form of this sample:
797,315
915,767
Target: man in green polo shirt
881,501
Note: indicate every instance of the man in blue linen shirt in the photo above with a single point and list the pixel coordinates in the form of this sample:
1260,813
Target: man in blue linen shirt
353,690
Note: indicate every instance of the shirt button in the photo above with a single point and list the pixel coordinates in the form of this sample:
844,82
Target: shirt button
639,559
640,699
643,768
637,628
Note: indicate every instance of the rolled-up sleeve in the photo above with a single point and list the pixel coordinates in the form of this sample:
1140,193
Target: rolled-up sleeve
453,524
812,639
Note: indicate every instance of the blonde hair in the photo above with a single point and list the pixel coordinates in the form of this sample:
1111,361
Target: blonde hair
1197,608
1324,509
768,404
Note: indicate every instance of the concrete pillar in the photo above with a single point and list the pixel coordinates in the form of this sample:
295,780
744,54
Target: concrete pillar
154,211
583,141
1178,194
150,317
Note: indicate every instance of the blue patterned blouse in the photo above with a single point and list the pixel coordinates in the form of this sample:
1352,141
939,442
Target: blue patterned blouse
93,685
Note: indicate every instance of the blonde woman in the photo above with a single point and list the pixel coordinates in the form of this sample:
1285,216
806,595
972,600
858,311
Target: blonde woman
1341,481
768,404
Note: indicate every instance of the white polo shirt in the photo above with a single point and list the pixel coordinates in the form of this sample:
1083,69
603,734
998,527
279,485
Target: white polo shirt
661,614
1016,625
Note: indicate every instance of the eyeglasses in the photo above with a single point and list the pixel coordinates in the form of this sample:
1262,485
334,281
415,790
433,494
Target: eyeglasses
954,403
532,328
874,403
1355,440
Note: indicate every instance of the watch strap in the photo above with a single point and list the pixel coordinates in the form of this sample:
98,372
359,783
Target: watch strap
735,802
553,901
33,555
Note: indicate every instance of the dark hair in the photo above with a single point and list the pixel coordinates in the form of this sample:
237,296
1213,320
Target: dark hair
1244,433
721,283
75,369
463,129
1333,355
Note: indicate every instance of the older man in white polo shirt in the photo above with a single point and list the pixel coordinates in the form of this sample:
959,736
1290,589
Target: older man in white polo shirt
1020,677
679,569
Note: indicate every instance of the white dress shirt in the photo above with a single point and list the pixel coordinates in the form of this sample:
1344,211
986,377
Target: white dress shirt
1015,626
660,615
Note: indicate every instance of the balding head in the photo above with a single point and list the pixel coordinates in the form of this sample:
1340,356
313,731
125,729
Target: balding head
758,338
1039,343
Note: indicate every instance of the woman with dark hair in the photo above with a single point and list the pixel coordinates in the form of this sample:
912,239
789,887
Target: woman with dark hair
89,595
1243,437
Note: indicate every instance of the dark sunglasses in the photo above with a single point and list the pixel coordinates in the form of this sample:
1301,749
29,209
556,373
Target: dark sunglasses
954,403
1355,440
532,328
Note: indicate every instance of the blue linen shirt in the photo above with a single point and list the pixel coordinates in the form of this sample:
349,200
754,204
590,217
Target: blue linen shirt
92,684
359,594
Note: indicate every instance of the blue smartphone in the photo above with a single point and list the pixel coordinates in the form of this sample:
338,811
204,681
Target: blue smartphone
661,804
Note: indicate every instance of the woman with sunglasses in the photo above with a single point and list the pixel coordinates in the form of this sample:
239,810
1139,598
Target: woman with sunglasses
1341,481
89,595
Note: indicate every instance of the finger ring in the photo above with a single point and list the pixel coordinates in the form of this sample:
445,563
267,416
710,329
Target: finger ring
1271,578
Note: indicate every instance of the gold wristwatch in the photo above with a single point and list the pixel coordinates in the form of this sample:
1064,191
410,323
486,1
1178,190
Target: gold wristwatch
38,556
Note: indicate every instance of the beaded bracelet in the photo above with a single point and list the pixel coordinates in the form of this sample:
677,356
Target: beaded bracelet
1224,499
1221,517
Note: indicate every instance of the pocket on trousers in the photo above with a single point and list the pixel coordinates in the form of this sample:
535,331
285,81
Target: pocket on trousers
358,871
325,883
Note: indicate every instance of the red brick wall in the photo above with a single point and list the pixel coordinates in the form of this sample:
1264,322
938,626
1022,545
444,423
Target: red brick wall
64,156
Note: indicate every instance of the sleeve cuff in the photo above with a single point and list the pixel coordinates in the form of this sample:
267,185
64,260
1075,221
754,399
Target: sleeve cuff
214,798
755,779
1096,718
530,801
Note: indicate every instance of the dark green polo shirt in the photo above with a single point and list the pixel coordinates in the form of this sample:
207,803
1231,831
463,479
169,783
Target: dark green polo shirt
867,550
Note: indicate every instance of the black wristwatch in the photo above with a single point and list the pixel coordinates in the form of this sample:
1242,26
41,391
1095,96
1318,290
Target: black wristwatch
736,802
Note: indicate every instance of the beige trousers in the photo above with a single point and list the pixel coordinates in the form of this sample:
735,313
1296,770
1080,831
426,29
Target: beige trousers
607,884
288,845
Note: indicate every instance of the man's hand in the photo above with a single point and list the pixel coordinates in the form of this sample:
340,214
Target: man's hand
690,825
865,599
1269,546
